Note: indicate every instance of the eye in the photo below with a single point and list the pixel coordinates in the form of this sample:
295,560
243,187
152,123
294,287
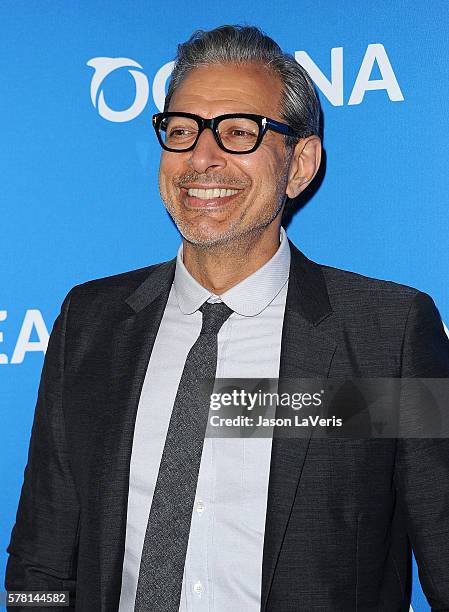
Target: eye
239,133
179,131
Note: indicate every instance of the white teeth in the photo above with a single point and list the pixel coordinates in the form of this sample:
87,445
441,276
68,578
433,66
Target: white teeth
208,194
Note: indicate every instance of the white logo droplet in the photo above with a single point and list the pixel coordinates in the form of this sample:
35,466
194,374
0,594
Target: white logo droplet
103,66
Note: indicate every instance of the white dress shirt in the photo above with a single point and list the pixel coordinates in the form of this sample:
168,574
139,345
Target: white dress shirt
224,556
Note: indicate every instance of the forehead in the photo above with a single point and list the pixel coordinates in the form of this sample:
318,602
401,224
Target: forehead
229,88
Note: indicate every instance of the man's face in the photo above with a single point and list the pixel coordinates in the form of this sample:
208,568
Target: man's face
257,180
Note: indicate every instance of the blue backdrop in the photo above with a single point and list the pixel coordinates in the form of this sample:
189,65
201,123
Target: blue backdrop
79,159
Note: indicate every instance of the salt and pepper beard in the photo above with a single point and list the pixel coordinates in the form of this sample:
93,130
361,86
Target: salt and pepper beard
225,239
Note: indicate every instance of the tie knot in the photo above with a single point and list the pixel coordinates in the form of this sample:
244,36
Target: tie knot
214,315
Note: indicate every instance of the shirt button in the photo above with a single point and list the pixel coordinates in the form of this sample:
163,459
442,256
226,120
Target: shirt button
198,588
200,507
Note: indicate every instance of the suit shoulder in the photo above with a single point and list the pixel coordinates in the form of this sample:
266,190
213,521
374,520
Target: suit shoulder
112,289
351,289
343,283
363,297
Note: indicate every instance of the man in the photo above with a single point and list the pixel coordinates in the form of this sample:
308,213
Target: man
124,501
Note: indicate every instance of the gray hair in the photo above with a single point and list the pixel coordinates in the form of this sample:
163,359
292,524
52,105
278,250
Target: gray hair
237,44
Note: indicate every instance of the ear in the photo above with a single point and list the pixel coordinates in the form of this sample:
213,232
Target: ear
304,164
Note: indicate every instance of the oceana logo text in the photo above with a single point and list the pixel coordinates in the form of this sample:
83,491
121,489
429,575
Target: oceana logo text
332,89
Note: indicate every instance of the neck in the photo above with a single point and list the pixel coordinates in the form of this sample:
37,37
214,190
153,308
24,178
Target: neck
220,267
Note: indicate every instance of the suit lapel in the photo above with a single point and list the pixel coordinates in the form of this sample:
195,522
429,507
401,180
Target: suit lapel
305,353
133,340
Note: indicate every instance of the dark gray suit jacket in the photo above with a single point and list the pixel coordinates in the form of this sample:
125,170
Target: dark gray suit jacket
341,514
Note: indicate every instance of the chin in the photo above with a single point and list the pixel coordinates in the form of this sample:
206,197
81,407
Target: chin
207,231
204,232
205,237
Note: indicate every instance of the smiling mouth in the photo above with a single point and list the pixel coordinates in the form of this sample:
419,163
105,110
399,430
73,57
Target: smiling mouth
209,198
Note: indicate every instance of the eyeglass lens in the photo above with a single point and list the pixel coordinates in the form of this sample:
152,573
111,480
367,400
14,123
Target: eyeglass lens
236,134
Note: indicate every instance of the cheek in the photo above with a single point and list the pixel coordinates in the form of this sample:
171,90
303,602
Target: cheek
168,168
165,166
255,170
266,174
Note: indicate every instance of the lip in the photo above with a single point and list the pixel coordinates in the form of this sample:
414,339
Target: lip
199,186
213,203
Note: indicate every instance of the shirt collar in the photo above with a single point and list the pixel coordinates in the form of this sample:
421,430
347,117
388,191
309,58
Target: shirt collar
249,297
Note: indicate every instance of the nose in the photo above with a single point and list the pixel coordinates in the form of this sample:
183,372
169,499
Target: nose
207,154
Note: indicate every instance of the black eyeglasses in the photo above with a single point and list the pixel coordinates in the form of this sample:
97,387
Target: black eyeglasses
235,133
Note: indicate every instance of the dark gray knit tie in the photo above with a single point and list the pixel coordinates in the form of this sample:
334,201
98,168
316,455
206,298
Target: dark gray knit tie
167,534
